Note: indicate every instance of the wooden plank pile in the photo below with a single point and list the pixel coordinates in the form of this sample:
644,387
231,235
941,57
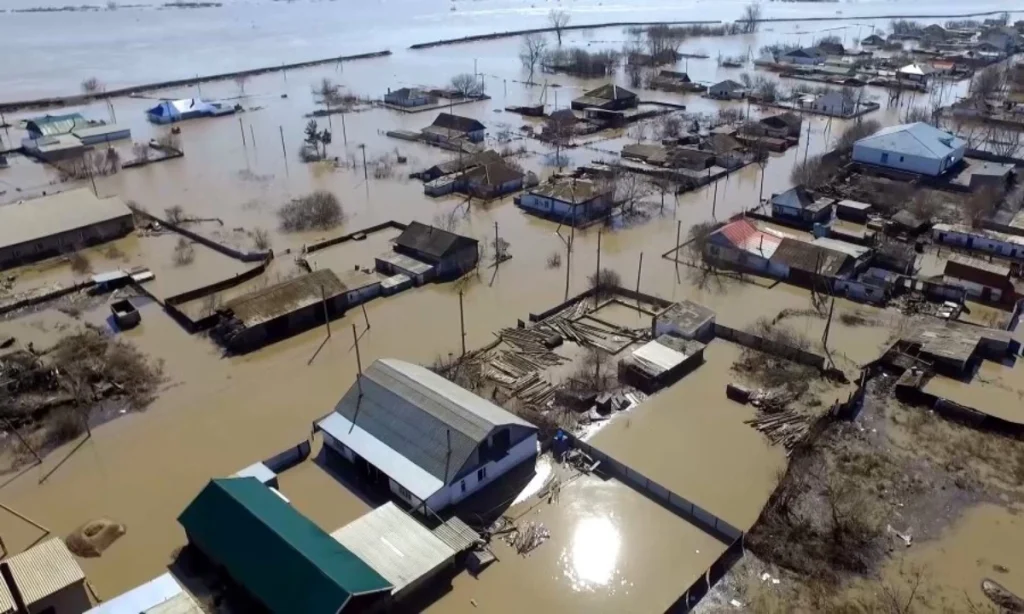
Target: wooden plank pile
533,390
788,428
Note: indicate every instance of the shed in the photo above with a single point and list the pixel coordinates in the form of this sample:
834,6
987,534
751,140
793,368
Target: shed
727,89
684,319
917,148
242,526
799,204
259,471
808,263
786,124
408,97
395,283
853,211
161,595
393,263
58,223
661,362
423,438
609,97
451,254
101,133
905,221
55,148
48,579
53,125
981,279
448,127
396,546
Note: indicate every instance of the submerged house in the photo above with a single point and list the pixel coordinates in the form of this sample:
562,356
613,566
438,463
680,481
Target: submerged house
805,56
275,554
448,127
171,111
408,97
742,244
784,125
448,253
571,201
798,204
54,125
425,439
609,97
51,225
290,307
914,148
727,90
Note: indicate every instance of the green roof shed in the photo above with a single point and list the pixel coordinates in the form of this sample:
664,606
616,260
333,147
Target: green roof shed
278,555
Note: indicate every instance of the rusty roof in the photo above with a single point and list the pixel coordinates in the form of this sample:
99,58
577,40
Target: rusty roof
285,297
44,570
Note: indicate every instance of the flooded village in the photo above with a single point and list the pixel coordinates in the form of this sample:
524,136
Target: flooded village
578,311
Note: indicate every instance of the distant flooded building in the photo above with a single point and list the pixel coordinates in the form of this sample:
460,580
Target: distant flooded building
171,111
572,201
448,127
799,205
806,56
45,579
448,253
60,223
53,125
609,97
408,97
290,307
275,554
424,439
727,90
743,244
783,125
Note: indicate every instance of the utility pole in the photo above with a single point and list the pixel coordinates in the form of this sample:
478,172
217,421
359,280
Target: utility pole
714,203
344,130
242,130
327,319
365,317
597,273
497,249
365,175
284,151
252,137
359,362
679,230
17,433
639,268
462,324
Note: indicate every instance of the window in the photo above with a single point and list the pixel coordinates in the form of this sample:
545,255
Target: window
481,474
402,492
885,157
901,158
463,485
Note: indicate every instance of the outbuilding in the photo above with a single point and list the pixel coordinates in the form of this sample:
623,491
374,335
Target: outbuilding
661,362
727,90
426,440
798,204
684,319
408,97
448,127
609,97
43,227
915,148
450,254
161,595
45,579
984,280
277,555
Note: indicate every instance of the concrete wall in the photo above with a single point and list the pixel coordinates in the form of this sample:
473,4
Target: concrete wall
978,242
771,347
71,600
973,288
859,291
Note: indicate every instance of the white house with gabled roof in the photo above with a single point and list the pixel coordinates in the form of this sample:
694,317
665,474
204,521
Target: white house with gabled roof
915,148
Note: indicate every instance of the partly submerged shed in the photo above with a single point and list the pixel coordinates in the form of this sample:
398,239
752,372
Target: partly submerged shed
275,553
170,111
397,546
53,125
449,253
48,580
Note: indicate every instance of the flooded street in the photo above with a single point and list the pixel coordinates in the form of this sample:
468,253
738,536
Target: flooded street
611,549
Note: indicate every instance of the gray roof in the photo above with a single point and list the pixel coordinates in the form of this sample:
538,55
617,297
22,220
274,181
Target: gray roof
415,412
917,139
457,123
578,191
610,91
34,219
795,198
728,84
810,258
395,545
430,241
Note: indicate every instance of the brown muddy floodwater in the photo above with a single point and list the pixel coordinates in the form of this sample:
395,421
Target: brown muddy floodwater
611,549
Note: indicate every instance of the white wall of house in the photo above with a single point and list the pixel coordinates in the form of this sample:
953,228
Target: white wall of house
914,164
981,243
561,208
973,288
484,475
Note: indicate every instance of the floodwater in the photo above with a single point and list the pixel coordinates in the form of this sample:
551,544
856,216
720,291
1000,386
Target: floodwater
611,550
691,439
218,414
129,46
995,389
986,542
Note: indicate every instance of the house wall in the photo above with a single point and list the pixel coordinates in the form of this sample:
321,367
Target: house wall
860,291
979,243
362,295
973,288
73,599
791,59
459,262
57,244
476,136
747,261
595,207
470,483
913,164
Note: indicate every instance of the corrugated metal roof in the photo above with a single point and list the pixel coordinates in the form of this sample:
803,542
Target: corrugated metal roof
182,603
44,570
917,139
658,358
394,544
52,125
431,241
34,219
809,258
744,235
278,555
578,191
256,470
143,598
286,297
850,249
389,461
457,534
405,263
7,604
429,420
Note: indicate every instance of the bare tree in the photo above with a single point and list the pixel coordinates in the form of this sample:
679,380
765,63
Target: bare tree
1003,141
327,93
184,253
140,151
918,114
979,206
531,51
811,173
240,81
92,85
467,85
318,210
261,238
856,132
987,82
175,214
559,20
751,18
663,43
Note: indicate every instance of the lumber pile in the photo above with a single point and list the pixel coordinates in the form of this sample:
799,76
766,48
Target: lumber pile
787,428
534,390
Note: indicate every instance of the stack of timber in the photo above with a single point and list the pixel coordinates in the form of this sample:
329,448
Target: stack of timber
534,390
569,325
788,428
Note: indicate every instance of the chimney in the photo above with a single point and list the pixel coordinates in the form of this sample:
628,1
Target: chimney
19,601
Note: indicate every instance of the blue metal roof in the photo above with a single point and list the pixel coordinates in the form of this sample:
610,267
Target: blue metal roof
917,139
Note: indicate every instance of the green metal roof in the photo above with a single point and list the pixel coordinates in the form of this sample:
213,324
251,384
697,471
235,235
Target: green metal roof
51,125
273,551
